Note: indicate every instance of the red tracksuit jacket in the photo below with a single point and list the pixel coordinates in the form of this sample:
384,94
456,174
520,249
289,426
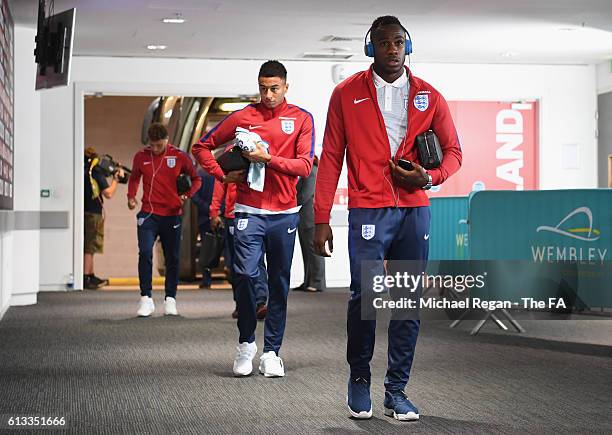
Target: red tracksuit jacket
221,190
288,129
159,195
355,125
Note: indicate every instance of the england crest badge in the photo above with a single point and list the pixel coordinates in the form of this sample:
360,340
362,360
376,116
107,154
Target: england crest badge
368,231
242,224
287,125
171,162
421,102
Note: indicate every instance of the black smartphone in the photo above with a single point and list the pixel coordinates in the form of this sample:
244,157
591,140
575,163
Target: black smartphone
405,164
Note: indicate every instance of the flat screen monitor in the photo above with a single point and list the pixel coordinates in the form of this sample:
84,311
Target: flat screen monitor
54,50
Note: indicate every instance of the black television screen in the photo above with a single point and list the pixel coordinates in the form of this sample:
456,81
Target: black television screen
53,53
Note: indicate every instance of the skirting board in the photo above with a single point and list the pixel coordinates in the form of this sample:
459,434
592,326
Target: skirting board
4,310
23,299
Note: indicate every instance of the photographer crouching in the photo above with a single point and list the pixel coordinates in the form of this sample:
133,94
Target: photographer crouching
97,170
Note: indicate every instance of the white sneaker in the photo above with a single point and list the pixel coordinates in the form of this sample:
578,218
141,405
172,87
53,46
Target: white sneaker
170,306
146,307
243,363
271,366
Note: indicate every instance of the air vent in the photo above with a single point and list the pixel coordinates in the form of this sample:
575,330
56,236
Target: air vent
333,56
335,38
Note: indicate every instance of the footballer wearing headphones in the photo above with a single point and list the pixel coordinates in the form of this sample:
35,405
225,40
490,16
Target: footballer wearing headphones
160,165
374,117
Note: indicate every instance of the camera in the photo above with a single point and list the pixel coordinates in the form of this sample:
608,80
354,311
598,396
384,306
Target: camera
109,168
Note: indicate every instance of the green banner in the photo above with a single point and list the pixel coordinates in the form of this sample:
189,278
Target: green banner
449,230
566,226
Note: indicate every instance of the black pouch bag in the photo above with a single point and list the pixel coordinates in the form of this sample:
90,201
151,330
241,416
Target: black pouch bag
183,184
211,249
233,160
429,149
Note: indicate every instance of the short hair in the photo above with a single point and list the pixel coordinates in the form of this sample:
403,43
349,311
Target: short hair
385,21
273,68
90,152
157,131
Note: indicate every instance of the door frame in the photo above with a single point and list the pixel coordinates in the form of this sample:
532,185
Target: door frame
81,89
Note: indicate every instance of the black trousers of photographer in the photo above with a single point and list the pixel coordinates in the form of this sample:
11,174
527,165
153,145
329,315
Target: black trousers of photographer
168,228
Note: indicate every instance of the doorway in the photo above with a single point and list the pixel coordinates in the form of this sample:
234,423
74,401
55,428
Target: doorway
116,126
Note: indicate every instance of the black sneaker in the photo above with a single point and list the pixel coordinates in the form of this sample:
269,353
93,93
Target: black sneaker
99,281
88,283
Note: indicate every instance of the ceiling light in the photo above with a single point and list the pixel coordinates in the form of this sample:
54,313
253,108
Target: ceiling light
177,19
336,38
508,54
156,47
334,55
232,107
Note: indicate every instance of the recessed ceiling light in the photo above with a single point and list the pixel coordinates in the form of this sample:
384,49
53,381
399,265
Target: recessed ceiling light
508,54
326,55
335,38
177,19
156,47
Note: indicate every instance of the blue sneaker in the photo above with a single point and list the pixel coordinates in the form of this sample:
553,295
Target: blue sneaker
399,407
358,398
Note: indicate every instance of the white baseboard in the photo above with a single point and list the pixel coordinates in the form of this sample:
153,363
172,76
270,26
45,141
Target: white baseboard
3,310
23,299
53,287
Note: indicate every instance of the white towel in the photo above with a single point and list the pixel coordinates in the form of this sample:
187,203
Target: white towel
247,141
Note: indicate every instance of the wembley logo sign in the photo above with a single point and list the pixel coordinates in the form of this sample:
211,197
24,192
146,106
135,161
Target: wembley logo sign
583,233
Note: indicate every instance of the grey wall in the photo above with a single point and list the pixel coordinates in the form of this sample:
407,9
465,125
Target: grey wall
604,103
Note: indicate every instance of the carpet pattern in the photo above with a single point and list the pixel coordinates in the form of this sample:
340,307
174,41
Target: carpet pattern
86,357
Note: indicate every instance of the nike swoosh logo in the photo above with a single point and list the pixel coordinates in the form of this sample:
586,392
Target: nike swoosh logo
253,127
426,236
289,230
356,101
176,226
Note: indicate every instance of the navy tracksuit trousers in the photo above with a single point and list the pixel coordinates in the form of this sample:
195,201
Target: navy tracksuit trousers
254,234
168,228
261,286
383,234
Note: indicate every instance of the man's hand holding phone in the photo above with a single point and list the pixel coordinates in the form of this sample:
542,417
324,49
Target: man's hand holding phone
408,174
